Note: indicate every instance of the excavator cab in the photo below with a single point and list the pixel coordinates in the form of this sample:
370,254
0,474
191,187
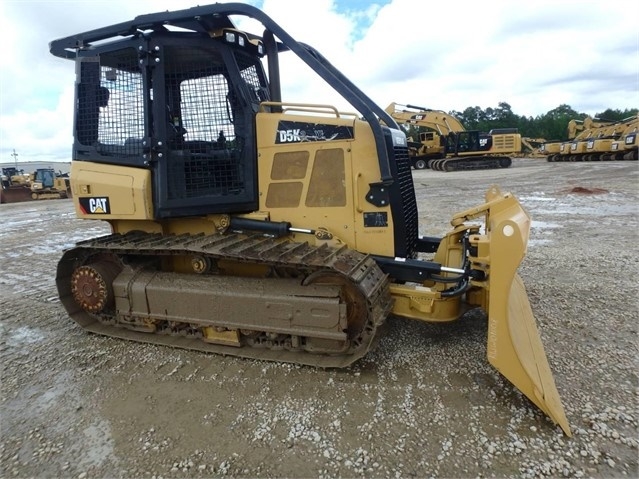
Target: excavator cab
458,143
288,231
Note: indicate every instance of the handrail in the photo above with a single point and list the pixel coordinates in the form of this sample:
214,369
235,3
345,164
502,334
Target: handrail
305,107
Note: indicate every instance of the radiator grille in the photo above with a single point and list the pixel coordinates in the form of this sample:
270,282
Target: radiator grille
404,179
504,142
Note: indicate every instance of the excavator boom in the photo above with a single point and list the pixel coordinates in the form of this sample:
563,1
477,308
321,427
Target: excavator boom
438,120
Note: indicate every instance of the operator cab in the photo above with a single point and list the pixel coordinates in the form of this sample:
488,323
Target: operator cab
178,104
45,177
468,141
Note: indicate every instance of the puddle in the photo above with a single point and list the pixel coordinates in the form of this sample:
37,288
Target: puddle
605,209
582,201
537,242
97,445
535,198
540,231
544,225
23,335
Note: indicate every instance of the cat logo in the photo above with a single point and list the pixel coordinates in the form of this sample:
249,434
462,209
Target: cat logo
95,206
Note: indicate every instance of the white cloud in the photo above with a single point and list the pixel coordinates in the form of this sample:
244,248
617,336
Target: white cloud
444,55
533,55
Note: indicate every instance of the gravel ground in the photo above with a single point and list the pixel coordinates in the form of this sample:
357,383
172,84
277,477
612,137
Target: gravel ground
425,403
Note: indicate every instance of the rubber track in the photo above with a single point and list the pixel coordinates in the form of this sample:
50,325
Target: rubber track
360,269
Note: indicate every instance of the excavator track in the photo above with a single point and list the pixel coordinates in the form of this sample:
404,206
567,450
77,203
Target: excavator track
608,156
312,305
471,163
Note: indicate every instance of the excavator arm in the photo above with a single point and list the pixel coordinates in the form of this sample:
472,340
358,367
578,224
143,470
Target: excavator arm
437,120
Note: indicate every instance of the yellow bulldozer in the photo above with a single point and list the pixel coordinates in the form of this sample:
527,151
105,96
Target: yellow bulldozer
246,225
446,145
42,184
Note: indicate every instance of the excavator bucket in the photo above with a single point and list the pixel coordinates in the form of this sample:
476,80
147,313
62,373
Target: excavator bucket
514,345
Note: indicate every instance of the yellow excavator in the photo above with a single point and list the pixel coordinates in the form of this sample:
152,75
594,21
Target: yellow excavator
246,225
599,140
448,146
626,146
600,144
575,130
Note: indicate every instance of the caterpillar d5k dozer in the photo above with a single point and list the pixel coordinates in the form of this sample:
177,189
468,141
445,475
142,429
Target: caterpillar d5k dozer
46,184
248,226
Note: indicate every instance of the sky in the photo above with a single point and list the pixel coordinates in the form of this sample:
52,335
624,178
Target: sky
533,55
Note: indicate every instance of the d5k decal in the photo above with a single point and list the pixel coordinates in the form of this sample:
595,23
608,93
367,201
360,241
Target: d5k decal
298,132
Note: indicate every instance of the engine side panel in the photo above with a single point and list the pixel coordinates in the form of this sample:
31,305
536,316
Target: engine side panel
109,192
315,173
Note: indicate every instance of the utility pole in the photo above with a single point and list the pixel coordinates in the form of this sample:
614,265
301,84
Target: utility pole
15,158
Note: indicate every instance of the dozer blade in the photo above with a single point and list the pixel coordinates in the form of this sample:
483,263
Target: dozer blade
514,345
15,194
521,358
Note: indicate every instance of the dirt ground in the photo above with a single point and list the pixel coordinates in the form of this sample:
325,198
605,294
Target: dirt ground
424,403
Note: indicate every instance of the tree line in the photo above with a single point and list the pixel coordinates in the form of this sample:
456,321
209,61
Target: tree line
551,126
